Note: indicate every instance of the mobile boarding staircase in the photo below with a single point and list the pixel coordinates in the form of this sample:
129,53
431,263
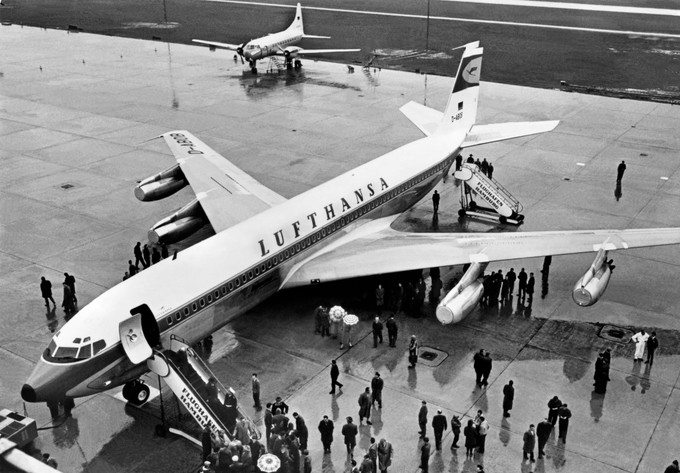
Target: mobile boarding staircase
187,375
504,207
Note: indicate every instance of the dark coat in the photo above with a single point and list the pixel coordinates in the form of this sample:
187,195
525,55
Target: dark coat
46,288
470,434
350,431
377,384
335,372
422,415
508,396
439,423
392,326
326,429
544,429
529,441
365,405
455,425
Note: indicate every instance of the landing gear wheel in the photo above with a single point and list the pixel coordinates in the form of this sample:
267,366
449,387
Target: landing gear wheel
289,65
461,213
253,70
503,220
298,64
136,393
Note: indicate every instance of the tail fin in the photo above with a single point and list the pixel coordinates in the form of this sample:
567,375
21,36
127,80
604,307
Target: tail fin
461,109
297,21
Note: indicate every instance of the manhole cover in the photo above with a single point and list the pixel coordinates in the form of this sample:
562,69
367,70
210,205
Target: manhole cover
431,356
616,334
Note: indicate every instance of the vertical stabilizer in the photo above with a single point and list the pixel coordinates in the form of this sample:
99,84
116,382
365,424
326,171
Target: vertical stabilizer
297,21
461,109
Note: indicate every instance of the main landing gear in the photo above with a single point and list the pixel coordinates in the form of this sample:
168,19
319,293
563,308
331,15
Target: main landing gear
136,392
297,64
253,67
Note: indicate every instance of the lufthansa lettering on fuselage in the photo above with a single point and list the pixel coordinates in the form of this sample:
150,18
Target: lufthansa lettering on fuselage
313,220
184,141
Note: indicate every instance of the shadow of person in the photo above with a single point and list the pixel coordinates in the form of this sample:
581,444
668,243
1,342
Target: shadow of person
335,409
52,320
544,285
634,378
617,191
596,405
504,432
645,384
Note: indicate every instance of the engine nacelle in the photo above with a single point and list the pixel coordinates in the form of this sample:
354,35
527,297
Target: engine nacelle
161,185
460,301
456,308
180,225
291,52
592,285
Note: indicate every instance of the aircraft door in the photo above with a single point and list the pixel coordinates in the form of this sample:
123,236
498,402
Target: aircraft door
139,334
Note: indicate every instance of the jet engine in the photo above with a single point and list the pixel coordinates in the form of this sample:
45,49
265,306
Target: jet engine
592,285
161,185
180,225
460,301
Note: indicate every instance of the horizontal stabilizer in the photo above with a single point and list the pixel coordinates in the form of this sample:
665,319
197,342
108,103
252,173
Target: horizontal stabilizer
482,134
313,36
231,47
425,118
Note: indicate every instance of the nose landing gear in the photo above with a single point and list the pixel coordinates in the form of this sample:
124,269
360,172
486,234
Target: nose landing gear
136,392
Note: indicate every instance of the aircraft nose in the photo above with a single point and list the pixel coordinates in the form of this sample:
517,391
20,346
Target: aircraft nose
28,393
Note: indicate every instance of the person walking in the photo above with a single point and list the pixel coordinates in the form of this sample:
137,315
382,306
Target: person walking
439,424
255,382
486,368
132,269
326,430
435,202
564,415
146,254
302,432
379,298
478,365
422,419
620,170
508,398
601,375
640,340
268,422
530,287
46,291
335,373
155,256
543,434
522,279
482,431
489,170
511,277
385,454
377,332
70,281
652,345
392,331
138,255
553,408
413,352
485,167
365,406
425,456
455,428
529,444
350,431
377,384
470,433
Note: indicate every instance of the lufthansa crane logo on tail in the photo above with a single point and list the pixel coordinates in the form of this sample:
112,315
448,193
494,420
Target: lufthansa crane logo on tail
472,70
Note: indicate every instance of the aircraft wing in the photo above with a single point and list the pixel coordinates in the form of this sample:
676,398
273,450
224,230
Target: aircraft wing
227,194
380,249
231,47
302,51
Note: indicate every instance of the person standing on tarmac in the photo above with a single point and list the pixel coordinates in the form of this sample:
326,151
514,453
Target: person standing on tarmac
553,408
46,290
564,415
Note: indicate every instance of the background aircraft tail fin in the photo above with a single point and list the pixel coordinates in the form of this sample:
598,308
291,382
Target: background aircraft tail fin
461,109
297,21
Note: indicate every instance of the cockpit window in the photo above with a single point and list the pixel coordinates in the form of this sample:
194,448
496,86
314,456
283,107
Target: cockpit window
76,341
64,354
98,346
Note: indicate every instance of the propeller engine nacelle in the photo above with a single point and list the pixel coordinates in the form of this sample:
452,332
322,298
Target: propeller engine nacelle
180,225
592,285
161,185
291,52
464,297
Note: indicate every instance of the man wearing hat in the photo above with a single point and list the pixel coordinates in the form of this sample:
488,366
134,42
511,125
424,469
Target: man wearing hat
326,430
376,390
439,425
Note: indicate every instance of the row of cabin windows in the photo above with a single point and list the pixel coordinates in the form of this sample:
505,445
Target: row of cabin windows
287,253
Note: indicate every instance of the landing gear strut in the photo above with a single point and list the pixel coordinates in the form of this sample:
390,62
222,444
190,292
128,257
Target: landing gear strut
298,64
253,67
136,392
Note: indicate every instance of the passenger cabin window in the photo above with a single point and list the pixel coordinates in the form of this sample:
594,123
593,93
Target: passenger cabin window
169,320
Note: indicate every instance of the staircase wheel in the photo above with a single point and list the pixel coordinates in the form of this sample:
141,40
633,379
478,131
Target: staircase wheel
503,220
461,213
